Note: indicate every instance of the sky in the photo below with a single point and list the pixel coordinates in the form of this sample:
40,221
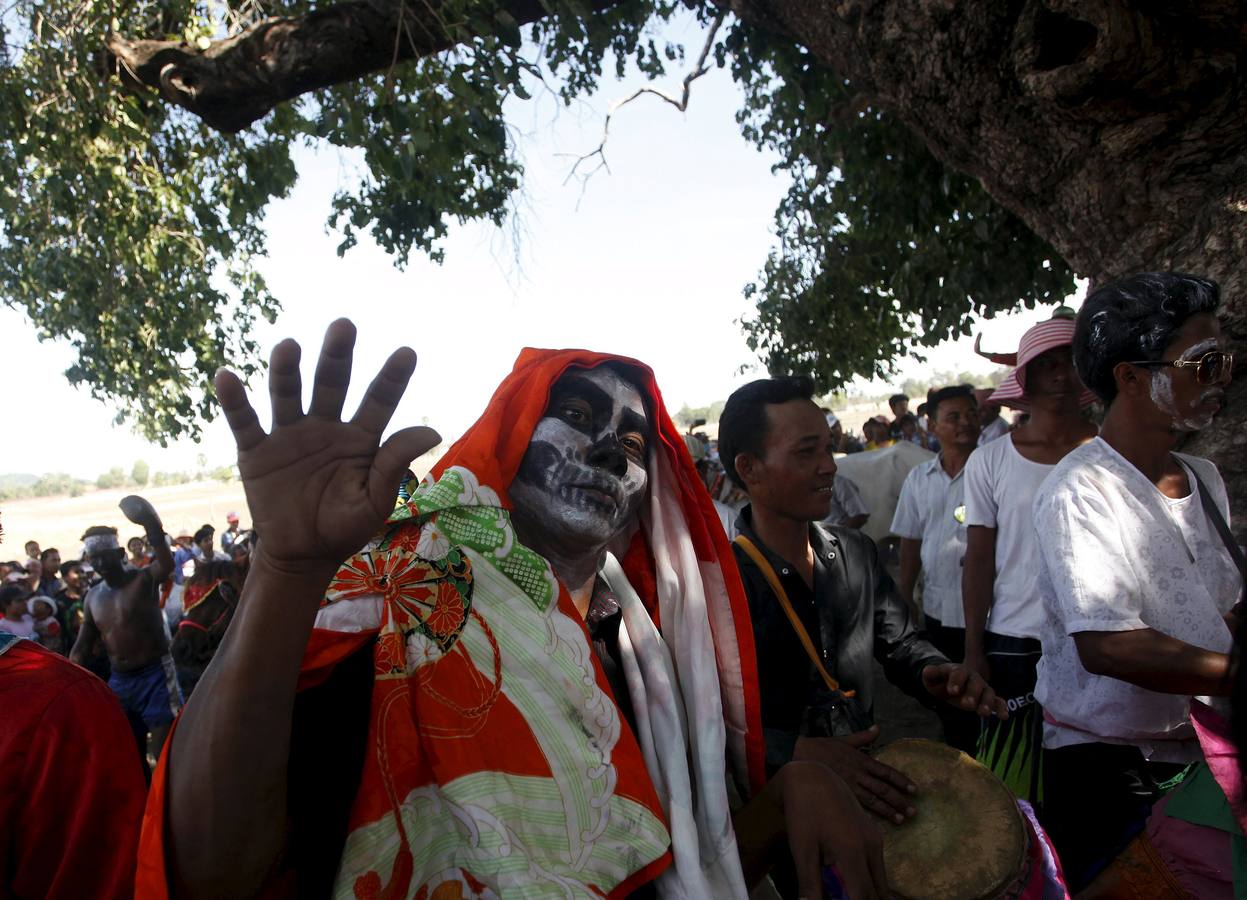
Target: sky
647,259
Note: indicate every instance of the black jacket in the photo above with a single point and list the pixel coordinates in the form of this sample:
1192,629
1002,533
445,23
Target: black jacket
853,612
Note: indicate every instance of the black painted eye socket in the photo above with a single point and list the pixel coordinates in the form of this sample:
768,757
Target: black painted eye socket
634,445
575,413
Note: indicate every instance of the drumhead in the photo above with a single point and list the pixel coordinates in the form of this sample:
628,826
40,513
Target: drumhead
968,839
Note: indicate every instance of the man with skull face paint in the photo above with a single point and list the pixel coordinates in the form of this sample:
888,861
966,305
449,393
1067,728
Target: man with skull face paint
443,681
1134,576
583,476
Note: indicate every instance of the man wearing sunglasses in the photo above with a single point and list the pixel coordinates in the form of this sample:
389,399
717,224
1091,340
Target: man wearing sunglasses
1135,575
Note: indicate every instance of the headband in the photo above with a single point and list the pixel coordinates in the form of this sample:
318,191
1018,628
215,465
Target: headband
98,543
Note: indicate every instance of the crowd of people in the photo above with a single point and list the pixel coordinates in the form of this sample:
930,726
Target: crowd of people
121,635
589,655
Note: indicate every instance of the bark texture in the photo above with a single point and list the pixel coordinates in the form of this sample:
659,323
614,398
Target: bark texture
233,83
1115,129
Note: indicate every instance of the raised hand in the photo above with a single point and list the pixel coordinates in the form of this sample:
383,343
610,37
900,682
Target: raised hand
138,510
319,488
141,512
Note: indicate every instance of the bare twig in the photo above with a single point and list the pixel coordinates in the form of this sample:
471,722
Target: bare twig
398,33
680,103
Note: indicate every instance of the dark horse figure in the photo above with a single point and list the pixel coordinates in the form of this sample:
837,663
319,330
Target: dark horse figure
209,602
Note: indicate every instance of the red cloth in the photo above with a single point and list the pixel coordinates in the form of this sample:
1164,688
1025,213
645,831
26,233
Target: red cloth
71,788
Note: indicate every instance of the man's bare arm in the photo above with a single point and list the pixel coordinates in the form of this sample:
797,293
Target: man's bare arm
1155,661
978,580
229,753
161,566
140,512
318,489
88,634
911,565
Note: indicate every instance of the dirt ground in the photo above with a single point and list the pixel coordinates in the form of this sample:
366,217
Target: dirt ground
897,714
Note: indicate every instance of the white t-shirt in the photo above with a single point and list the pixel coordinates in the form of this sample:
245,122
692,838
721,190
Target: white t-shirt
927,512
1000,490
1118,555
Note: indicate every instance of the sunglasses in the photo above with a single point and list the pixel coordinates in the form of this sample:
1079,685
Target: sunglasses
1211,368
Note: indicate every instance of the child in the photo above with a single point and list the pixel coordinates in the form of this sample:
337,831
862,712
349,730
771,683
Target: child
912,432
48,631
16,620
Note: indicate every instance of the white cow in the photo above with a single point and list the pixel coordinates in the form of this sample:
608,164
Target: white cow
878,475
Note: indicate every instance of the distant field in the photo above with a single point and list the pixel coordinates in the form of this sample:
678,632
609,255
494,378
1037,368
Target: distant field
59,521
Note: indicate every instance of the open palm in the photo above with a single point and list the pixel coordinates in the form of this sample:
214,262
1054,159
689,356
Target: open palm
319,488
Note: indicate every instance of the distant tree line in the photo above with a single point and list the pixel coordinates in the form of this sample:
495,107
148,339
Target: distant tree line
58,484
61,484
687,415
916,388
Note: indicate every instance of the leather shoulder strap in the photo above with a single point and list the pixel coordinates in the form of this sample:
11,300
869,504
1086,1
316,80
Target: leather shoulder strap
1219,523
768,572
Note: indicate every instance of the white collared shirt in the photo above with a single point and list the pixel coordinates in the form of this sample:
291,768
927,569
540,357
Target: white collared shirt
928,511
1118,555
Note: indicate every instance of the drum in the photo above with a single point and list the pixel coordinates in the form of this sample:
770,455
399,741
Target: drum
968,841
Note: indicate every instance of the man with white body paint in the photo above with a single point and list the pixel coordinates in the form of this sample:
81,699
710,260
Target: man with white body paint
1135,577
123,613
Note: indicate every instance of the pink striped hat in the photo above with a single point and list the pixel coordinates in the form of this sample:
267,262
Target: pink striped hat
1055,332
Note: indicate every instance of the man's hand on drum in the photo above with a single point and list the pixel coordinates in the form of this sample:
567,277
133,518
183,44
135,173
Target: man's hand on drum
879,788
959,685
826,826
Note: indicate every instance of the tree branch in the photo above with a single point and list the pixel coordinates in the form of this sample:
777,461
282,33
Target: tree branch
681,104
233,82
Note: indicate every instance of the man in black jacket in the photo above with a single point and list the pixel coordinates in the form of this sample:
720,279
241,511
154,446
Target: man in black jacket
775,444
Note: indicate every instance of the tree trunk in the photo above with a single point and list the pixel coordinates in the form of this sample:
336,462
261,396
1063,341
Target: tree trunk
1116,130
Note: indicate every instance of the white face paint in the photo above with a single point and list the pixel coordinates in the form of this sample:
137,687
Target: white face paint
1195,416
583,476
